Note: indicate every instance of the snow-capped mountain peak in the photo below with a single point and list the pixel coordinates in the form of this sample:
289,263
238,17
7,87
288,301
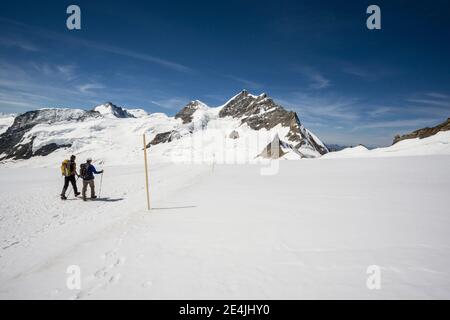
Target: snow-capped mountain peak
261,112
186,114
109,109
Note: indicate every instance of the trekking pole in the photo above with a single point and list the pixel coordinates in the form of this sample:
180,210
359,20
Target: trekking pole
70,191
101,181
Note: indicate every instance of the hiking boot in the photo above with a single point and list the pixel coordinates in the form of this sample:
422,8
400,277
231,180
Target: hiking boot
84,199
94,197
63,197
77,194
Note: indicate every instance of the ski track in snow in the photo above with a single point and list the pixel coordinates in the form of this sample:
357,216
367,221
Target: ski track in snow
309,231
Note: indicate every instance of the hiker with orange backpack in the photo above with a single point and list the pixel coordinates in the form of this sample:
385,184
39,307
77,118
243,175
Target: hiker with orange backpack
69,171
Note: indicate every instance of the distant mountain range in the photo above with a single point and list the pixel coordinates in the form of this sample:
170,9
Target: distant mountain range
236,125
244,128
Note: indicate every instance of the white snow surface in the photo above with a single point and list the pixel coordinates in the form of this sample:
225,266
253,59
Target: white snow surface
438,144
138,113
6,120
227,232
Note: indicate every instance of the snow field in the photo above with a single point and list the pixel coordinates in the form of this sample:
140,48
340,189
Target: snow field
227,232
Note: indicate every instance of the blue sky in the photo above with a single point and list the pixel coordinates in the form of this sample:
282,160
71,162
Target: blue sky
348,84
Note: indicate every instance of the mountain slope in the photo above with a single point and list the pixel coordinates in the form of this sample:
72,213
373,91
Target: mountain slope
437,144
16,144
424,132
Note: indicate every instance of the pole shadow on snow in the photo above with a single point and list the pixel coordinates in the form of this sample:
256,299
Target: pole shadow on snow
169,208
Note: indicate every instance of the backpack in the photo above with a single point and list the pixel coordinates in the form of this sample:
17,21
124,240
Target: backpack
83,170
64,168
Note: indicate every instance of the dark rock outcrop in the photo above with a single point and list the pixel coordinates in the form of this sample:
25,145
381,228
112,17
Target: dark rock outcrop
424,132
10,141
233,135
164,137
187,112
49,148
278,148
273,149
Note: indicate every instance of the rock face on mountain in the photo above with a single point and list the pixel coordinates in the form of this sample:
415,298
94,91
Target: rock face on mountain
11,144
274,149
188,111
111,110
164,137
261,112
255,112
424,132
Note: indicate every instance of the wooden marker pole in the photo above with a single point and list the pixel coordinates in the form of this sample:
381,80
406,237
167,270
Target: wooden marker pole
146,173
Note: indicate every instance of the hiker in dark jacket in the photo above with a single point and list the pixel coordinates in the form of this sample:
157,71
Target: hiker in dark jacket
69,171
87,171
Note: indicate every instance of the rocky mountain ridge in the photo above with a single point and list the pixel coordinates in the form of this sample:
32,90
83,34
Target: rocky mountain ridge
424,132
42,132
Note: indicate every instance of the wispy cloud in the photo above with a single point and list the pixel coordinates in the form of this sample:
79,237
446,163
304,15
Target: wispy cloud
438,95
367,72
131,54
380,111
61,71
45,33
89,87
30,85
321,108
171,103
317,80
248,83
68,71
432,102
16,42
404,123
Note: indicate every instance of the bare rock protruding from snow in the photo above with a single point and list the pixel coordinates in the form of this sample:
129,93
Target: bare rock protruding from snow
273,150
424,132
278,148
186,114
111,110
234,135
164,137
261,112
11,144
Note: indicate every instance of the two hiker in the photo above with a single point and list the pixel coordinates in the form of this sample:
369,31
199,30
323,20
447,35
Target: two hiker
87,171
